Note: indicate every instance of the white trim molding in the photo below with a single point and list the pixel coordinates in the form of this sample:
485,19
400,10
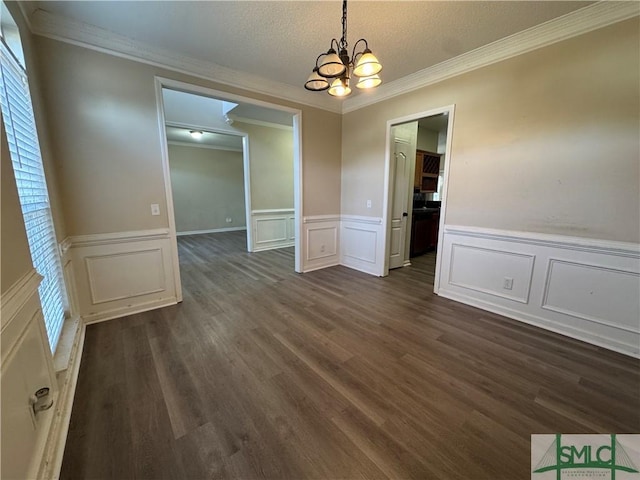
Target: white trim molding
579,287
260,123
203,145
213,230
67,380
592,17
97,239
17,295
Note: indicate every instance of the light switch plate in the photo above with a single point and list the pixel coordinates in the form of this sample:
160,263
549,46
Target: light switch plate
155,209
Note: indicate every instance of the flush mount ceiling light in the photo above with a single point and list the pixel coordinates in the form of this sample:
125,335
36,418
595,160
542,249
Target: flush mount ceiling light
196,134
333,69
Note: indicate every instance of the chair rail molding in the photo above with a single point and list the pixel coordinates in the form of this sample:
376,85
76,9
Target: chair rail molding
582,288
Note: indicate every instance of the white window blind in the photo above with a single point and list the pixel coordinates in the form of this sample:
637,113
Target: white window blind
20,126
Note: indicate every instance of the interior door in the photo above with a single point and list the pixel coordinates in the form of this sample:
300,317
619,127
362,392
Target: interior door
401,171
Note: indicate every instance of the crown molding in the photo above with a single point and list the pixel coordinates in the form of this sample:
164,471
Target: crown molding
260,123
88,36
592,17
203,145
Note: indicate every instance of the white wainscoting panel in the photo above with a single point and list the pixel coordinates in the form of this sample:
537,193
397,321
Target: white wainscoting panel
122,273
594,293
361,244
321,242
109,278
27,366
586,289
272,229
484,270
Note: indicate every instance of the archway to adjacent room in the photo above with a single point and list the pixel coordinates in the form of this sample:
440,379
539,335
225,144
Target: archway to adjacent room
267,226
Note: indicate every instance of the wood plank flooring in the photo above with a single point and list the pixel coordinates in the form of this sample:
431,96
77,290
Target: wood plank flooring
265,373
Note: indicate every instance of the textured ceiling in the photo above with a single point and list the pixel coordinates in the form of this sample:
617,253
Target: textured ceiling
281,40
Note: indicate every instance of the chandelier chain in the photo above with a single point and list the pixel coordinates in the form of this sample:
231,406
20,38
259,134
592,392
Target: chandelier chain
343,40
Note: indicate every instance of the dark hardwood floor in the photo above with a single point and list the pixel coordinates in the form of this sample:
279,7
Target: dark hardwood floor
264,373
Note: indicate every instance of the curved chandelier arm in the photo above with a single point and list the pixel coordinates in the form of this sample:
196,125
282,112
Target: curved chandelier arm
335,45
319,57
354,55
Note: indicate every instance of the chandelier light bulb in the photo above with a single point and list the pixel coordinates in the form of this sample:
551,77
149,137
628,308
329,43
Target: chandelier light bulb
367,65
369,82
339,88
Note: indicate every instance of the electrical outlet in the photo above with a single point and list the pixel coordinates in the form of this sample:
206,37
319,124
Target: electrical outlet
228,219
507,284
322,248
155,209
368,203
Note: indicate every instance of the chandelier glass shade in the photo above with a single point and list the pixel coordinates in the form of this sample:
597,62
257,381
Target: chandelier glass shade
333,69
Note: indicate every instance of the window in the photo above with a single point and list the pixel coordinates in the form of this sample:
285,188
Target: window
17,113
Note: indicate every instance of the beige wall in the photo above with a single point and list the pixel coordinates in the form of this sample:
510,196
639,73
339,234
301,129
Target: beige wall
271,160
207,187
15,258
106,141
545,142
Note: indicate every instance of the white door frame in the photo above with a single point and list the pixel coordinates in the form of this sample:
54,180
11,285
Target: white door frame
386,204
160,83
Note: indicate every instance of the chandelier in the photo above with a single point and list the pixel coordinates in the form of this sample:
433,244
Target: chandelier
334,71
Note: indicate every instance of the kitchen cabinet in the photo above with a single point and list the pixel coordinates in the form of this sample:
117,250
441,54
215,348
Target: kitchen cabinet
427,171
424,230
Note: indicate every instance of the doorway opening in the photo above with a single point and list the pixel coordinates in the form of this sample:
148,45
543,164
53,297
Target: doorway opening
232,168
417,171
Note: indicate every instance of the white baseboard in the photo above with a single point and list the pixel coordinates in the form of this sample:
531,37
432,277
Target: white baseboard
582,288
60,429
129,310
213,230
541,322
